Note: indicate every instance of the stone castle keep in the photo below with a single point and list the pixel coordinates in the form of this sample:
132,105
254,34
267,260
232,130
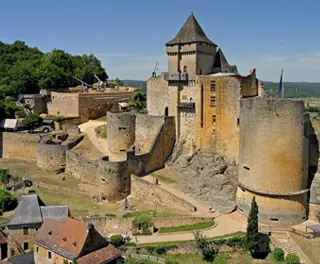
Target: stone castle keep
217,110
201,105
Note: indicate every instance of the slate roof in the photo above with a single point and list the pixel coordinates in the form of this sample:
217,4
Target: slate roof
103,255
59,213
220,60
23,259
28,211
190,32
31,210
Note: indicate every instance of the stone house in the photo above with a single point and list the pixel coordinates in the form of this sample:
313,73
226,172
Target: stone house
60,242
28,218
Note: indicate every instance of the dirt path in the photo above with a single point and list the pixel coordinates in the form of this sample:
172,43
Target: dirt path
99,143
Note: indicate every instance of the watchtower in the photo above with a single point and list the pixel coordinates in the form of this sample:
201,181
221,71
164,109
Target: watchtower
190,53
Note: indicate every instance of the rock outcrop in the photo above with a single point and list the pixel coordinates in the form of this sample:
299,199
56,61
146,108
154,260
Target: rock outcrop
208,177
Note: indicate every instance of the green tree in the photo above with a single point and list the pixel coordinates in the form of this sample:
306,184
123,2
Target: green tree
4,176
118,82
278,254
207,250
292,259
116,240
7,201
32,121
252,236
138,99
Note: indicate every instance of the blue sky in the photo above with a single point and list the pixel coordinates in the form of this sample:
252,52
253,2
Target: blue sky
129,36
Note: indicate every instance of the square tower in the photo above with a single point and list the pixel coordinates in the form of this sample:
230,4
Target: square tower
190,53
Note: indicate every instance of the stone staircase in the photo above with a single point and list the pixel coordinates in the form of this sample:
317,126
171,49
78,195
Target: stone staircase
285,242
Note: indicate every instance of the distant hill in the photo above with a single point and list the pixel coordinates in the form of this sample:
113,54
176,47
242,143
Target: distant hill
292,89
136,84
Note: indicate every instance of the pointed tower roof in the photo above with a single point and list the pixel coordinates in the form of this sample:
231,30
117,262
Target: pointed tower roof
220,60
190,32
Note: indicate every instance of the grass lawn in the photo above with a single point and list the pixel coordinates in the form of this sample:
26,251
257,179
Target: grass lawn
196,226
232,235
79,207
163,178
223,258
102,118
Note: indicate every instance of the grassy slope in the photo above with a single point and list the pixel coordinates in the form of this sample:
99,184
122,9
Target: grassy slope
183,228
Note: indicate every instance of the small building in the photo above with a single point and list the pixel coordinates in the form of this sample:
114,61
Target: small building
22,259
61,242
28,218
10,124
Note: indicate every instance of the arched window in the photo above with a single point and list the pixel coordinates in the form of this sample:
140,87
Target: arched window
185,69
166,111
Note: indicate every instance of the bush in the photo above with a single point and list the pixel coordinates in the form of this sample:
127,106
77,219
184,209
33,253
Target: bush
117,240
7,201
292,259
278,254
32,121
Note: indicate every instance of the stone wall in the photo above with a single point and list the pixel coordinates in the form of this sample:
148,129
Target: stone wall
105,225
273,159
64,104
51,156
70,125
147,129
16,239
121,131
20,146
89,105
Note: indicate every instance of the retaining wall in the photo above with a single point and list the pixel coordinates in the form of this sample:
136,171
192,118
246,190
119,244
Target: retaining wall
20,146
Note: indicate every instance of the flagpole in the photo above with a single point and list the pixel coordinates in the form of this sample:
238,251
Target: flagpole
282,92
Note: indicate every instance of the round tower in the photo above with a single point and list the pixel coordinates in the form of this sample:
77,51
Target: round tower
120,131
273,159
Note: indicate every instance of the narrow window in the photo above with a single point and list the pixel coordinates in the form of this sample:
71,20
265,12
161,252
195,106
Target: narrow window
37,249
214,119
274,219
49,255
241,211
25,231
25,246
246,168
238,121
185,69
166,111
212,101
213,85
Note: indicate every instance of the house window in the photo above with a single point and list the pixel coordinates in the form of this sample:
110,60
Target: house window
185,69
25,231
212,101
213,85
25,246
214,119
37,249
184,97
49,255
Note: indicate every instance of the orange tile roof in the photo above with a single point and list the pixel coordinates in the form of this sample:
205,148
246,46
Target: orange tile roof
73,236
102,255
49,233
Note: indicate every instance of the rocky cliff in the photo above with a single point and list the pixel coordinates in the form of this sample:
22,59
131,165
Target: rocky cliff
208,177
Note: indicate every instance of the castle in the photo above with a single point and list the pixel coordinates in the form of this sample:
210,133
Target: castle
202,104
219,111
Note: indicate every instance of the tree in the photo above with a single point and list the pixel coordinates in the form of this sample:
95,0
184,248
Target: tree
7,201
138,99
278,254
118,82
207,250
32,121
252,236
116,240
292,259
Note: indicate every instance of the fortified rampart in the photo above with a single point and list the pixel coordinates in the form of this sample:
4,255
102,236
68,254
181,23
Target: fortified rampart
120,131
51,155
89,105
20,146
273,159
